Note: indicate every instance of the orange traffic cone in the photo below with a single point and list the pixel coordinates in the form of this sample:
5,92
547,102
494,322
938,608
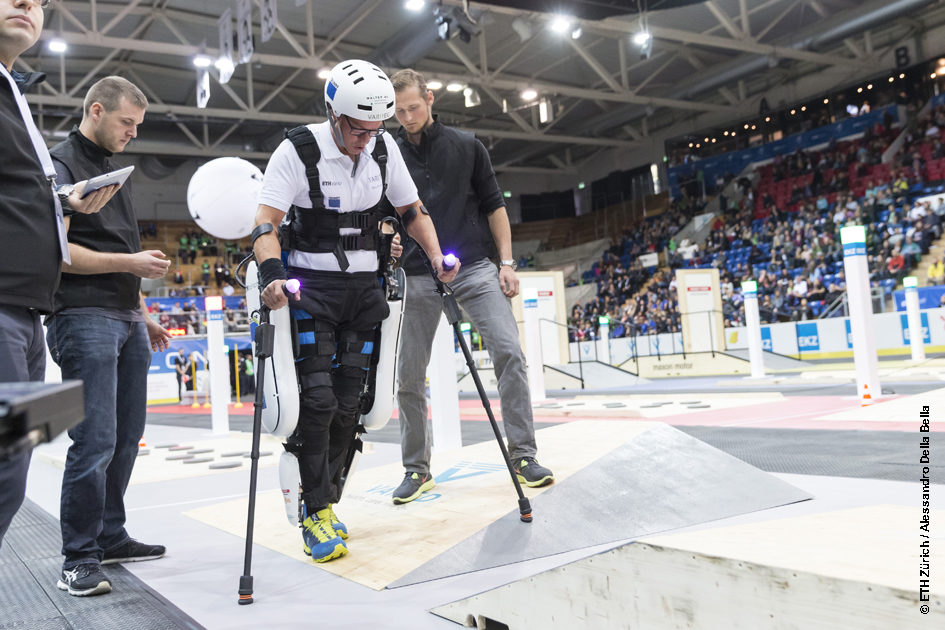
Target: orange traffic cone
866,399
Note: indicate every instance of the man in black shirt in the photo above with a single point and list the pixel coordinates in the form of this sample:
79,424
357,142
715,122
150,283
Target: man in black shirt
454,177
100,332
30,226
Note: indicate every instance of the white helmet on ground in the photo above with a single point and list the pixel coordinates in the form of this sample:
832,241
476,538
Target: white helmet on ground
360,90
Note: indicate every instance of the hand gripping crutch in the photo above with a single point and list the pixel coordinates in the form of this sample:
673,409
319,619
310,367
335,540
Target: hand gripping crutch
451,308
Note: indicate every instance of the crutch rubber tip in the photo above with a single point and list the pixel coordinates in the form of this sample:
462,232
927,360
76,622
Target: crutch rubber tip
526,518
245,599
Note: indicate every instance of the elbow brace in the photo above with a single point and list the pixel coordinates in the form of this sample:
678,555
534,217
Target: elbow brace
411,214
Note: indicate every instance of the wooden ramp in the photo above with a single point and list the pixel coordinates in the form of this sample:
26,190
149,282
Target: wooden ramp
854,568
614,480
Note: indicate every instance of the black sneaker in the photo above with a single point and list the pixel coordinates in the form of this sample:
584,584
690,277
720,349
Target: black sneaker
413,485
533,474
133,551
84,580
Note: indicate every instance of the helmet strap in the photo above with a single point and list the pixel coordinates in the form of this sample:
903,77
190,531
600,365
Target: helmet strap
336,130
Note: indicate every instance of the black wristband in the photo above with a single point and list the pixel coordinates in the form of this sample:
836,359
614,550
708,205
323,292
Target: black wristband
269,270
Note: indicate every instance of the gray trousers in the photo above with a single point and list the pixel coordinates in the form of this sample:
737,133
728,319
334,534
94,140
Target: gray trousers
477,290
22,358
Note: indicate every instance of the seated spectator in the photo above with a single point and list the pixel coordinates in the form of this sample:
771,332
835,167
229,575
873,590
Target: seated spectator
936,272
896,264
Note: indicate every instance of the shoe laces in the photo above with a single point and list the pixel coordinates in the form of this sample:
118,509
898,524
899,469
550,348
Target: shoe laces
318,529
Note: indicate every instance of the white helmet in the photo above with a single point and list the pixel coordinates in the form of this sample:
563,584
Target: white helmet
360,90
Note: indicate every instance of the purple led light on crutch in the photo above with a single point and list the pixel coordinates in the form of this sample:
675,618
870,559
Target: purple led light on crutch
449,261
292,286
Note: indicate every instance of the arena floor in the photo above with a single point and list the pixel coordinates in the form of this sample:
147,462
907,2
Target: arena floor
801,445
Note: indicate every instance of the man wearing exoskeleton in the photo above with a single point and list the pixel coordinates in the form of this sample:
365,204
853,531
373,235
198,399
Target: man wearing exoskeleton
331,178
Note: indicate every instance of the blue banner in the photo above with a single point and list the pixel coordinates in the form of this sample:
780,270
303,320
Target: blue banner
163,362
766,339
929,297
904,324
808,339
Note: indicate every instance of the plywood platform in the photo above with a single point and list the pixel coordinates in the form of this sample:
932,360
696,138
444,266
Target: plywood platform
614,480
847,569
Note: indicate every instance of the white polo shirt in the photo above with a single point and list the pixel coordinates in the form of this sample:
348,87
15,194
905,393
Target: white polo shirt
344,189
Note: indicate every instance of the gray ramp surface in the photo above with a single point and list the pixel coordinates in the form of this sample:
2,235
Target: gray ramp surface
661,480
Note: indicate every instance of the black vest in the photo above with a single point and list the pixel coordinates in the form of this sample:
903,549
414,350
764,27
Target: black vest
113,230
317,229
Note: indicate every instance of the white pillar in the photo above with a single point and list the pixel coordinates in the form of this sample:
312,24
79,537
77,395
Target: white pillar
466,329
603,339
753,323
533,358
444,393
916,336
219,367
857,274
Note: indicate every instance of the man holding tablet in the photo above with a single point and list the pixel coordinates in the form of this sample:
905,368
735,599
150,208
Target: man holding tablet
100,332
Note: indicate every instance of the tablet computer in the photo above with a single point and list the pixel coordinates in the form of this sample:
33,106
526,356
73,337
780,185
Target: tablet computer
108,179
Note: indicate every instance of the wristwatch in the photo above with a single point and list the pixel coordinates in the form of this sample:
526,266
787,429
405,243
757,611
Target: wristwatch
509,263
63,193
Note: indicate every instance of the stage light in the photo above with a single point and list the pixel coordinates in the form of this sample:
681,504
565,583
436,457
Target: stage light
804,108
560,23
706,140
753,127
713,140
414,5
826,101
225,67
859,90
767,118
869,87
746,125
472,98
698,145
793,111
725,133
582,185
576,33
528,94
902,76
202,61
324,73
453,86
891,79
58,46
434,84
933,75
691,145
641,38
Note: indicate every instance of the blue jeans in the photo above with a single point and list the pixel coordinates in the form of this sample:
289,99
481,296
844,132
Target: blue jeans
22,358
112,358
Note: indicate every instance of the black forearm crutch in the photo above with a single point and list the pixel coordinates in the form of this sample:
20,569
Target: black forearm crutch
451,308
264,338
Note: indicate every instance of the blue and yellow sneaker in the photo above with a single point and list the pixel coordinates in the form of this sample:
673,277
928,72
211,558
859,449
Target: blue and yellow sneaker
337,525
533,474
319,538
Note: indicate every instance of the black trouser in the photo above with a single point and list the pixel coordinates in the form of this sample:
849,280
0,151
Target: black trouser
338,312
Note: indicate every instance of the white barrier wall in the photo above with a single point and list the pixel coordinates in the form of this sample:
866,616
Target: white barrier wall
815,339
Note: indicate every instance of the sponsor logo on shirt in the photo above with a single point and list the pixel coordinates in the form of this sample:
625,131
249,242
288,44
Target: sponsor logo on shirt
334,202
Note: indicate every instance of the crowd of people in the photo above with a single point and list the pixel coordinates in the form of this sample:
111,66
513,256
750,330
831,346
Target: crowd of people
781,228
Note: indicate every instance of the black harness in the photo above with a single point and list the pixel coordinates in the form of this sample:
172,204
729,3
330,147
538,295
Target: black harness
317,229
